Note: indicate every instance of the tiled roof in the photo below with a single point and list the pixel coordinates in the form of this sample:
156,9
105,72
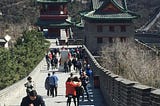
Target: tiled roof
80,25
99,5
112,16
49,23
52,1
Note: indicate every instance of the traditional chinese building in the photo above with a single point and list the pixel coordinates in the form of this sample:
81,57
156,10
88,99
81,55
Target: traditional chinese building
107,22
53,18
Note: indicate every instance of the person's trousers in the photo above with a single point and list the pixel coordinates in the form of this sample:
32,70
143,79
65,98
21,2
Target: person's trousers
86,90
53,90
69,100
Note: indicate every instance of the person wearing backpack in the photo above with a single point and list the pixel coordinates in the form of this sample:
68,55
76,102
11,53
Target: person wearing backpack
85,80
53,81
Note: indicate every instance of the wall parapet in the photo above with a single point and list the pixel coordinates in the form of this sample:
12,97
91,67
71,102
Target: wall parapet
118,91
18,88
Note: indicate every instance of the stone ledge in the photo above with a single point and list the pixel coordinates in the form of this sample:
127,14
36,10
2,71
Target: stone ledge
15,89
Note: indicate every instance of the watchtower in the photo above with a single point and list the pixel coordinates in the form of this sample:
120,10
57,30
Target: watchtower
107,22
53,18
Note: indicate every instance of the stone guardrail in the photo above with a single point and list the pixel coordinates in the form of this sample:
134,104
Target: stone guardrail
16,89
118,91
71,42
154,50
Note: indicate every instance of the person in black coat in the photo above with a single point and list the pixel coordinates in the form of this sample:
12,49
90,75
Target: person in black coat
47,84
33,100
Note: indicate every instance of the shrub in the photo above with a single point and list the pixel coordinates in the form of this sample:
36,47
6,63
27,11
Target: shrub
20,60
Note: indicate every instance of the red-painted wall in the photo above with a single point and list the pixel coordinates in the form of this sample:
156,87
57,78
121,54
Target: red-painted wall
54,31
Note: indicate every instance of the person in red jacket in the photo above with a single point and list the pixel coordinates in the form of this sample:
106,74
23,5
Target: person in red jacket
71,91
79,89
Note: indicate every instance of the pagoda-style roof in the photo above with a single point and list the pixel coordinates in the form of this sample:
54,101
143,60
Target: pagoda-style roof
108,10
80,25
96,4
114,16
53,24
52,1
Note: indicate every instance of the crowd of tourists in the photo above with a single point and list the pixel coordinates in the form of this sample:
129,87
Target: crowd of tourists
52,59
76,85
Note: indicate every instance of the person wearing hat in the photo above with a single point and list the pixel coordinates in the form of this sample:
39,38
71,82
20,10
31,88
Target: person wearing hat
32,99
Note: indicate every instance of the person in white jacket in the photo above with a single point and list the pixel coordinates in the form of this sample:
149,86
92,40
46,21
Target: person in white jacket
29,85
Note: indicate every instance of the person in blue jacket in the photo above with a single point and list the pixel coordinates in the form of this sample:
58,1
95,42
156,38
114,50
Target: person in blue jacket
53,81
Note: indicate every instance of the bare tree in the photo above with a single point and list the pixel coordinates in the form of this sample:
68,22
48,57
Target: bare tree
132,62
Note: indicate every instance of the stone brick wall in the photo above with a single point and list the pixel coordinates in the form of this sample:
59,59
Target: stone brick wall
118,91
91,34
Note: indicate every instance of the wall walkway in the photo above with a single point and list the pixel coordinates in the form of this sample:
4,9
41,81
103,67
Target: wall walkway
13,95
118,91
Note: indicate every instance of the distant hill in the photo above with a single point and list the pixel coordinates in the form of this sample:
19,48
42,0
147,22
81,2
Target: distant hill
145,8
18,11
17,15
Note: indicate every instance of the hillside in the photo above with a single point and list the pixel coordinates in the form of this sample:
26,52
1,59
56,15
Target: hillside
17,15
145,8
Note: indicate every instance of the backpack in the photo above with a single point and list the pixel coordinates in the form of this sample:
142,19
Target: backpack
51,80
80,90
70,63
55,60
84,80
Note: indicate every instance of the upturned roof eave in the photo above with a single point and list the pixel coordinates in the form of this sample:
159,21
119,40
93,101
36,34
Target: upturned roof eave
80,25
134,14
111,18
53,24
87,15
